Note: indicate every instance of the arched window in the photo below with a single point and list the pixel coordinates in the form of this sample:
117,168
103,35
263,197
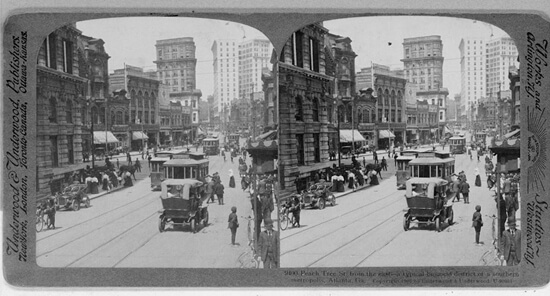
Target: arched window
315,109
53,110
119,119
299,109
360,116
340,110
69,111
386,98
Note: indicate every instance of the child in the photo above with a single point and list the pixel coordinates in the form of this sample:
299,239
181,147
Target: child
233,224
477,223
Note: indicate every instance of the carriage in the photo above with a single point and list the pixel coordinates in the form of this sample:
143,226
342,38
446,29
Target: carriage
318,196
72,196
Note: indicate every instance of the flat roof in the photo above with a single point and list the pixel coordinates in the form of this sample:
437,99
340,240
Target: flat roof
429,161
182,182
427,180
182,162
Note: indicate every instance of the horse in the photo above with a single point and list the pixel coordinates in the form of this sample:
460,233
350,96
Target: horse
127,168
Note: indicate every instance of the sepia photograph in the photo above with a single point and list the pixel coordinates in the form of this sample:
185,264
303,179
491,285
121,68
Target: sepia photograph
155,139
402,138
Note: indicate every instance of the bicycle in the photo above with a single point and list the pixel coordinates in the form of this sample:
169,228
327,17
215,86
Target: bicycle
40,222
284,217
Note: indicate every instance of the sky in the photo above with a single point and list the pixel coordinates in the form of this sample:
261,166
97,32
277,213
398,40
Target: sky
131,40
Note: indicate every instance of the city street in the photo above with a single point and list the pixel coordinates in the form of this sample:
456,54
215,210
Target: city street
120,229
365,228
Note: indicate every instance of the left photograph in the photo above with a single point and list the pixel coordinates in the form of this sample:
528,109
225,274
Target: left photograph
157,145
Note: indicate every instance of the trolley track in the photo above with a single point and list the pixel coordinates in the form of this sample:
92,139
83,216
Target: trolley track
366,216
141,198
340,216
104,225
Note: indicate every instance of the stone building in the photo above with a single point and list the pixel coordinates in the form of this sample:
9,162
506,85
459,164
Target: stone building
303,85
143,116
61,92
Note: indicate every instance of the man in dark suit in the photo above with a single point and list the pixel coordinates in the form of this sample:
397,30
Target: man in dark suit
511,239
269,245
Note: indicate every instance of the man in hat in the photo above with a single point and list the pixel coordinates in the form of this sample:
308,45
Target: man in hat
269,245
511,240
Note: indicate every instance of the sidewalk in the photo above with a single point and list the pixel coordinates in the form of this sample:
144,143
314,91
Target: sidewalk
140,176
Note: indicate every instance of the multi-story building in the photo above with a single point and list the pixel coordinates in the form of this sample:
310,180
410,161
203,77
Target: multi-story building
385,124
423,61
270,104
226,75
501,54
61,93
515,98
254,55
176,68
143,116
303,83
472,72
171,124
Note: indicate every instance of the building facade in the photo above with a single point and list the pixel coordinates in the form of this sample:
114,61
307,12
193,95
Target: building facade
226,75
472,72
303,125
143,116
423,62
61,93
254,55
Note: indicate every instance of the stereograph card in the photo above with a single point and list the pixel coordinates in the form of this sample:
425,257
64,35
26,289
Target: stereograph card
289,146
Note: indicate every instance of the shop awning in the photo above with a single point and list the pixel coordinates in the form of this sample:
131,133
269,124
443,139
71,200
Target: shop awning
348,136
514,134
270,135
385,134
139,136
104,137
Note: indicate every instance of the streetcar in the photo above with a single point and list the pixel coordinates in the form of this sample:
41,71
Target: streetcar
403,172
233,138
157,171
432,167
457,145
186,168
481,139
427,203
211,146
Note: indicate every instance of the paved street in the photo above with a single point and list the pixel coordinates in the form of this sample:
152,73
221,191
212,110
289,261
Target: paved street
365,228
120,229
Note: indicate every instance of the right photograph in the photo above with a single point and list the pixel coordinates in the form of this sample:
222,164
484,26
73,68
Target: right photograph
399,144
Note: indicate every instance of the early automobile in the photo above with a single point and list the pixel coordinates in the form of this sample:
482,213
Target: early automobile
72,196
427,203
183,204
318,195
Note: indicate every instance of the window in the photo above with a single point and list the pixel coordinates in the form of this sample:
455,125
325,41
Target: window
53,110
51,49
314,54
299,109
53,151
317,147
297,49
70,149
69,111
300,149
315,109
67,56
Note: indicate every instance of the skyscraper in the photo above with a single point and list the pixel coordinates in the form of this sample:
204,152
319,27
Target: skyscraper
472,72
254,55
226,76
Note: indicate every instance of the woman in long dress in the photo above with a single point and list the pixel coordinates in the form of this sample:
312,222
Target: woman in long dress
231,179
478,178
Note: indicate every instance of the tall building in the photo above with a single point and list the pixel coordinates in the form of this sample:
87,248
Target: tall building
254,55
226,76
472,70
423,61
176,68
501,55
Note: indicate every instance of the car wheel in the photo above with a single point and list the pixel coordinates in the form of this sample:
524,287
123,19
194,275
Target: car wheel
438,224
406,222
87,201
321,204
205,219
193,225
332,200
76,205
450,216
162,224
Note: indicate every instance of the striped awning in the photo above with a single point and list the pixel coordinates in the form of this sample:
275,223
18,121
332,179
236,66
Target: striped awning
139,136
104,137
385,134
348,136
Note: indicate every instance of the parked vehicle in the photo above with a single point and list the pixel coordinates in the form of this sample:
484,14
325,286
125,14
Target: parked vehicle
183,204
318,195
72,196
427,203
